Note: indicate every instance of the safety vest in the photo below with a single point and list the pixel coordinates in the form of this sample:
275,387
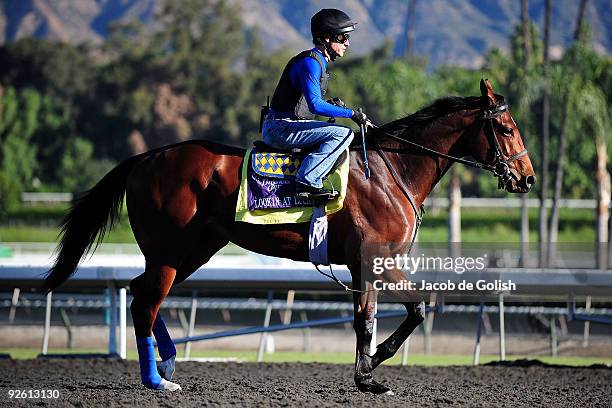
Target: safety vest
288,99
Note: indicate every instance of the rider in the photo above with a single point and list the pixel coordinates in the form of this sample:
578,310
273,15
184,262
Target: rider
299,97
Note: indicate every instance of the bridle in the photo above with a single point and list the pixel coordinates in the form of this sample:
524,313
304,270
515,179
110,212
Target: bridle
500,167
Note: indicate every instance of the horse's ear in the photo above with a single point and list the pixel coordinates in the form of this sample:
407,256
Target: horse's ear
486,90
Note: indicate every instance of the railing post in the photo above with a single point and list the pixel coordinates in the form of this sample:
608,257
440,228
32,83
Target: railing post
476,358
405,350
288,311
553,337
587,324
192,320
305,332
524,257
428,323
264,335
14,302
45,342
374,329
454,214
502,329
123,323
68,326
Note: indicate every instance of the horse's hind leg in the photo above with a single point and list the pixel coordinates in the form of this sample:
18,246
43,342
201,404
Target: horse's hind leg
165,345
149,291
208,244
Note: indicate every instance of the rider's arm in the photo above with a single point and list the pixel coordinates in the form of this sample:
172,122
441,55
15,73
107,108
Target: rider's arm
305,74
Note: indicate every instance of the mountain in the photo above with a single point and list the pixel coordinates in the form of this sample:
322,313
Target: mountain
447,31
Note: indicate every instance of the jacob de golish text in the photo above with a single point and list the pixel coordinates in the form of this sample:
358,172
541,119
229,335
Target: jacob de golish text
479,285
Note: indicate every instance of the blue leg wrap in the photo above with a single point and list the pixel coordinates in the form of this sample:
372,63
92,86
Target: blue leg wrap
165,345
146,357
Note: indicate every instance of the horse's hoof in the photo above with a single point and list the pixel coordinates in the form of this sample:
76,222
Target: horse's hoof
166,368
369,385
165,385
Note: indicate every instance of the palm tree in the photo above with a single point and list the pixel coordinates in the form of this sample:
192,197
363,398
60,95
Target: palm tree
410,16
524,207
544,143
570,80
580,19
566,85
592,109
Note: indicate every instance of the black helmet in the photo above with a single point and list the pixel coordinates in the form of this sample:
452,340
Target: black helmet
330,21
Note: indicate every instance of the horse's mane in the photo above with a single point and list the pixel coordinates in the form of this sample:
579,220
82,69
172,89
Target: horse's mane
417,122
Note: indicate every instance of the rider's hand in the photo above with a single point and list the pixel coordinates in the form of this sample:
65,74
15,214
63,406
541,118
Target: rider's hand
359,118
337,101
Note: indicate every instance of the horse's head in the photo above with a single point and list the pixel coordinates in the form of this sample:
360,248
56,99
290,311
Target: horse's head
499,144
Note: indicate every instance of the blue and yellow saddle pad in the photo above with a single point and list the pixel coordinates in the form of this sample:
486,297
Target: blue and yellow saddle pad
275,164
267,189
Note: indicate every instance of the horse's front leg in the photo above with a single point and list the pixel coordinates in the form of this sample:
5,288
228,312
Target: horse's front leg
389,347
364,308
415,316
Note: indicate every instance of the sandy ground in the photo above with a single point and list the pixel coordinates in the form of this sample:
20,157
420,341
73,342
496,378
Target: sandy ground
114,383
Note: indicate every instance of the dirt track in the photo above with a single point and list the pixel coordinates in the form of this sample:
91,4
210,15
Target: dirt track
110,383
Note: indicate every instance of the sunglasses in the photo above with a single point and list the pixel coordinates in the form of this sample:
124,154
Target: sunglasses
341,38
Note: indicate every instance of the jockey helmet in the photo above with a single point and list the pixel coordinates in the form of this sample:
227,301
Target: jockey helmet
331,22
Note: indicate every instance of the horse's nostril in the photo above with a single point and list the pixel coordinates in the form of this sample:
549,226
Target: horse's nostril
530,180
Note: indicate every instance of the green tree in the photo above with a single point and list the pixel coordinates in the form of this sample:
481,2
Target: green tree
199,43
18,122
193,54
261,74
78,169
62,71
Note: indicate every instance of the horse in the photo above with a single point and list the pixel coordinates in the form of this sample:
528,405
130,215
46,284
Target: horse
181,201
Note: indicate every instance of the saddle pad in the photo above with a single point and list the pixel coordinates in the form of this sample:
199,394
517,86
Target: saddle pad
338,179
276,165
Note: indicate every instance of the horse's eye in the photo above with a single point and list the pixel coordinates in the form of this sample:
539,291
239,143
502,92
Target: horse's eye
508,131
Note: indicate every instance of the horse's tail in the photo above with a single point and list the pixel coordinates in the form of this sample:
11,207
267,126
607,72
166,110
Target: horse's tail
92,215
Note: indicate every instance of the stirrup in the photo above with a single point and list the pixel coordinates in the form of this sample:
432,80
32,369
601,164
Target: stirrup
306,192
322,196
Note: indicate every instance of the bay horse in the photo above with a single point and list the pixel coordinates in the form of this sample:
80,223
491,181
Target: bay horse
181,201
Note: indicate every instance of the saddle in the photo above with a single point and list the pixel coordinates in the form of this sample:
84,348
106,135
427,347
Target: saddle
286,161
271,178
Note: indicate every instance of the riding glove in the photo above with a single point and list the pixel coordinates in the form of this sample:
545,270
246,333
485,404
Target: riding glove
359,118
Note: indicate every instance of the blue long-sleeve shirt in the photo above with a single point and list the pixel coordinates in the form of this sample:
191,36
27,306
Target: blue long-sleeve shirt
305,74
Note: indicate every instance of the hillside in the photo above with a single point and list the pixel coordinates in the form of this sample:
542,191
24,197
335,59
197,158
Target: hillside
447,31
